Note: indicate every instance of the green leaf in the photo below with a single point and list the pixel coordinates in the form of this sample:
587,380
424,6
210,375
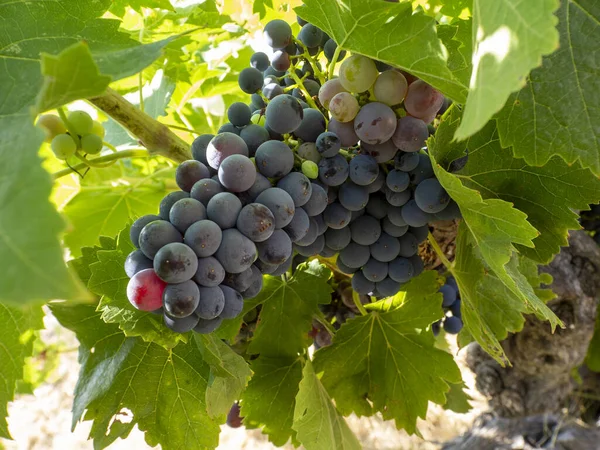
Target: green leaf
30,236
490,310
496,225
269,399
548,195
592,359
390,33
457,39
163,389
288,309
510,37
119,7
536,279
160,90
458,399
316,420
105,210
68,76
388,358
229,374
109,280
35,270
454,8
16,344
557,112
260,7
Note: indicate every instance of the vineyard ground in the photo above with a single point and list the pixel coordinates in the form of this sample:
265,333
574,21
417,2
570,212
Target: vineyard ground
43,421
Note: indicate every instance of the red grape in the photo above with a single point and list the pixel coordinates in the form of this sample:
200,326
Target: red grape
145,290
423,101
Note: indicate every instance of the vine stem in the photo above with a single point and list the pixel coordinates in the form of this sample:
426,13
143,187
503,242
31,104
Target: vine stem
138,153
155,136
336,55
436,247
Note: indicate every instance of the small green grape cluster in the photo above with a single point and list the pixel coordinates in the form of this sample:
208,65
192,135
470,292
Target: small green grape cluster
80,133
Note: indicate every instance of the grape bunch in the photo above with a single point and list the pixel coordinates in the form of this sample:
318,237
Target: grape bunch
80,133
310,167
452,321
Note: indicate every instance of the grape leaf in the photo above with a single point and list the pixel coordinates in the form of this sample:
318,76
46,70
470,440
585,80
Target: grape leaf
457,39
269,399
157,95
458,399
288,309
495,224
260,7
388,358
16,344
592,359
229,374
510,37
490,310
102,210
30,236
109,280
548,195
68,76
455,8
29,245
317,422
390,33
557,112
119,7
163,389
536,279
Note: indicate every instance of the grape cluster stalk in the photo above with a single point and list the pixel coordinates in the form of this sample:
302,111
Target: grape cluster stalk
313,165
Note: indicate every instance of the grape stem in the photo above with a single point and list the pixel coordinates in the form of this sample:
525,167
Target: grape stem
91,163
137,153
110,146
436,247
358,304
263,96
333,62
177,127
326,325
63,117
155,136
300,84
306,55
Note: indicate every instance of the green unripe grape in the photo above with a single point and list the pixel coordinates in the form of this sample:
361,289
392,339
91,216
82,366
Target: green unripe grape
81,122
310,169
358,73
52,126
258,119
63,146
91,144
98,129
